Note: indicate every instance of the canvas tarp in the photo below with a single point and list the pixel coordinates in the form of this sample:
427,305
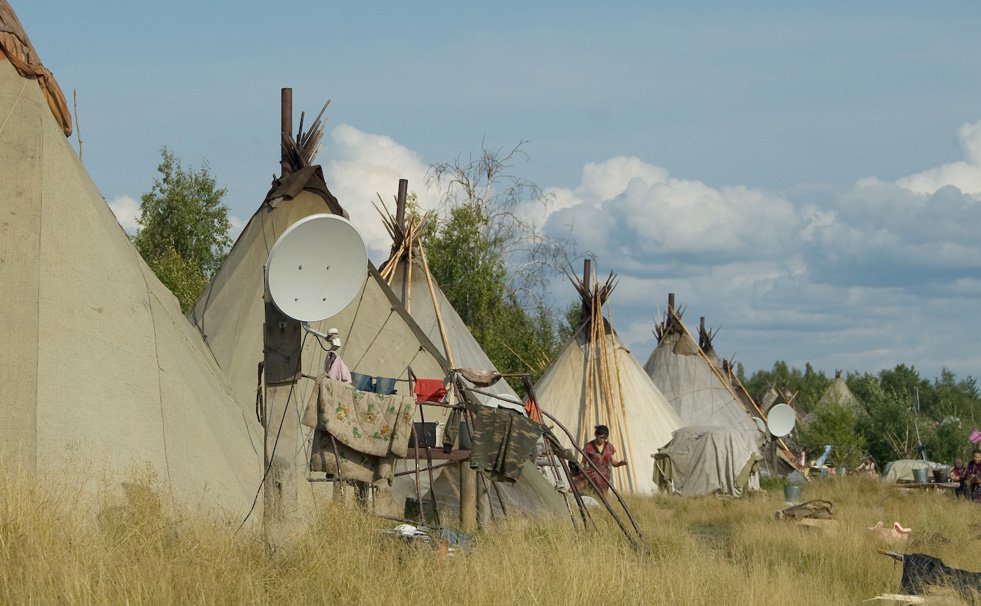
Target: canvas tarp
703,460
649,419
99,369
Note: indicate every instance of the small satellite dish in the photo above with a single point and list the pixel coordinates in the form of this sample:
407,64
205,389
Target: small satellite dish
781,420
317,267
760,424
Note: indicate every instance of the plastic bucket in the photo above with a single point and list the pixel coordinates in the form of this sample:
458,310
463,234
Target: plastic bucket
920,476
791,493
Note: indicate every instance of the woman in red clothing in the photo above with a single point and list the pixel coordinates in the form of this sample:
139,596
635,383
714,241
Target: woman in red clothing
601,453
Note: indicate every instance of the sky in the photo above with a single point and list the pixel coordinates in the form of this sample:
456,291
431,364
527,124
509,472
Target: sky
807,177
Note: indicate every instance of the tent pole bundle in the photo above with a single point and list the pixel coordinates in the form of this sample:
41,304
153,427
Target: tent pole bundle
604,396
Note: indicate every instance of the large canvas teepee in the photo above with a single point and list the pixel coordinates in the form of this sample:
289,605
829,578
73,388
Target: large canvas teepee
379,336
99,368
595,380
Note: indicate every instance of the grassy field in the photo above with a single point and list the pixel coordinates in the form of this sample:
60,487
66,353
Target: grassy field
59,547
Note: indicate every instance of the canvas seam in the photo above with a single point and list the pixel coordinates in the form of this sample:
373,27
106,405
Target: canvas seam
13,107
156,352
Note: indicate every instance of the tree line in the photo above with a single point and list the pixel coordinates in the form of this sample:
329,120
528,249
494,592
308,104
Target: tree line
897,413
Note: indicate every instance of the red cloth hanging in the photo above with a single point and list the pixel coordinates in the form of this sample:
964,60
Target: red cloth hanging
430,390
534,413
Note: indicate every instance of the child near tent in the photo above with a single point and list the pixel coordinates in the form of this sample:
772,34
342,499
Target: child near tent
600,452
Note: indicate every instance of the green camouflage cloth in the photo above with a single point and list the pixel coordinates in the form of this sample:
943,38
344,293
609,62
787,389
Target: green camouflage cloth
502,441
368,423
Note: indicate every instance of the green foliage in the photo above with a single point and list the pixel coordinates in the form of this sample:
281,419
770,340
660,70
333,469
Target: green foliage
491,264
183,228
835,424
809,385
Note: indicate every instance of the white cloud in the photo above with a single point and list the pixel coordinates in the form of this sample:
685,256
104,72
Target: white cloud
877,275
127,211
964,175
363,165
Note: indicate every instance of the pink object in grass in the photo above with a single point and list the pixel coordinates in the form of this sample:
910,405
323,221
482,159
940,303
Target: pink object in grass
975,436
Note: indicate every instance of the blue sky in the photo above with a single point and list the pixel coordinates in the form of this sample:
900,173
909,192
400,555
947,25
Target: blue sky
806,177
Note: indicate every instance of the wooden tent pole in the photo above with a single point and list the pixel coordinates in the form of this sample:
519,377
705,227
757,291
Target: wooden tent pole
622,411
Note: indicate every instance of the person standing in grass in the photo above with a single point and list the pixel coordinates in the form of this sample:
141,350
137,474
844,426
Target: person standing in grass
601,453
973,477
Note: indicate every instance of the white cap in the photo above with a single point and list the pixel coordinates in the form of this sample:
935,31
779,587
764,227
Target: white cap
332,331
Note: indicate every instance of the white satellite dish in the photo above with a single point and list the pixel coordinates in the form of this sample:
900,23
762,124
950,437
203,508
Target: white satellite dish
760,424
781,420
317,267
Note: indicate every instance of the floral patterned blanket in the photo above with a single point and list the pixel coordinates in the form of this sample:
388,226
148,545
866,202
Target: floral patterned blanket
367,422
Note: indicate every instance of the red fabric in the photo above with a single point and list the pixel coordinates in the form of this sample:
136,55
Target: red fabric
603,461
430,390
534,413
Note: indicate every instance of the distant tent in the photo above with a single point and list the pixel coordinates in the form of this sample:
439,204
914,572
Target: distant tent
595,380
99,369
379,338
704,388
702,460
695,383
902,470
838,393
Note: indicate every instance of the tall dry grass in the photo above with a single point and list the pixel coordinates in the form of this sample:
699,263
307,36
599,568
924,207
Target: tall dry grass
64,547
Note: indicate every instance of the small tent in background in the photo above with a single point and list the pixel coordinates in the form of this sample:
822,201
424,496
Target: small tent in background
838,393
705,390
595,380
99,370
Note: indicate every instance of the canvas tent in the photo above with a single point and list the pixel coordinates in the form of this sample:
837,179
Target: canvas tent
99,370
703,460
595,380
696,388
705,390
838,393
379,339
